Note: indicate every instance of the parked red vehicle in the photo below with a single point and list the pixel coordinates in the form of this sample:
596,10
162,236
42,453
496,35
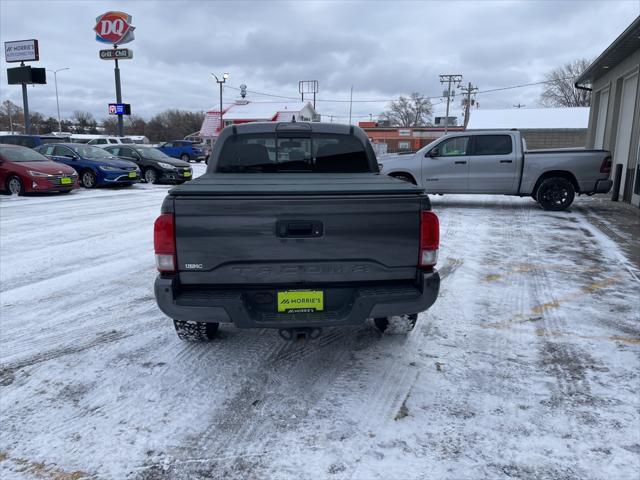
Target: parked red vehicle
23,170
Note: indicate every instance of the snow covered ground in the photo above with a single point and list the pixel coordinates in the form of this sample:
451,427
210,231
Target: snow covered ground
526,367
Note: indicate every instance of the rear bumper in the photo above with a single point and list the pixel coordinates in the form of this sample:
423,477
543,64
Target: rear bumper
603,186
254,308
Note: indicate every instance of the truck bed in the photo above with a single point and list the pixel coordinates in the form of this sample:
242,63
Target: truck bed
296,229
259,184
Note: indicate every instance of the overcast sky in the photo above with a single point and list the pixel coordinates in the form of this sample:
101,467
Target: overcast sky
382,48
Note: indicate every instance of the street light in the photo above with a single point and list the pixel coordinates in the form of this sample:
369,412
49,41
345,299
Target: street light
220,82
55,77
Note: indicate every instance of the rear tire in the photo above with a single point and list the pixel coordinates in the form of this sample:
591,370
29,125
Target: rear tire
185,158
402,324
405,177
195,331
555,194
15,186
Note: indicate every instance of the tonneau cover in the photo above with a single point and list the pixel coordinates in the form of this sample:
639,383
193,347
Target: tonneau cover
243,184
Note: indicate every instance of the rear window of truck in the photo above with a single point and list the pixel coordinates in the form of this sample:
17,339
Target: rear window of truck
264,153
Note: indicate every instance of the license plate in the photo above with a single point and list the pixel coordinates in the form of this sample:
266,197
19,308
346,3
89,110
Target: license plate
65,181
300,301
186,174
132,174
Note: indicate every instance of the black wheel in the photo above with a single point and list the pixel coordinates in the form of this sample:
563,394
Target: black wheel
15,186
65,191
555,194
195,331
398,325
405,177
150,175
88,179
198,160
185,158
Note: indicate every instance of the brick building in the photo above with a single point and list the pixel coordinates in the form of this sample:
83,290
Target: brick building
395,139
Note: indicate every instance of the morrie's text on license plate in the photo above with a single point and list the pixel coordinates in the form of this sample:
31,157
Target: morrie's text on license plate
300,301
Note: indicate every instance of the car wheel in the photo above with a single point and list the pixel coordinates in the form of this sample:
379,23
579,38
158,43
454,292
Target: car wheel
88,179
555,194
14,185
195,331
402,324
150,175
184,157
405,177
198,160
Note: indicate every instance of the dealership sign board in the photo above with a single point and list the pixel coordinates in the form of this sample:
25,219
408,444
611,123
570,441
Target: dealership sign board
116,54
114,27
21,51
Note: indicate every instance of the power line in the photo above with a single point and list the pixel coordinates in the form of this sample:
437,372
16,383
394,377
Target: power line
386,100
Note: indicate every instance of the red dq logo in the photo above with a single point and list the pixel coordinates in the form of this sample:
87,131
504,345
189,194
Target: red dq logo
114,27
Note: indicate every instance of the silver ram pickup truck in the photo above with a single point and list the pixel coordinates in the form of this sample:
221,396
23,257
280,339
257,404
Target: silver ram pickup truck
497,162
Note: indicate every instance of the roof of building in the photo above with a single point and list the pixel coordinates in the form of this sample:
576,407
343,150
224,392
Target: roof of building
529,118
627,43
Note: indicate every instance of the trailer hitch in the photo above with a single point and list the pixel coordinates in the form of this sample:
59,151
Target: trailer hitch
299,334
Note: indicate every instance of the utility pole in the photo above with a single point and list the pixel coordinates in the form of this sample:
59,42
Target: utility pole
469,90
449,79
220,82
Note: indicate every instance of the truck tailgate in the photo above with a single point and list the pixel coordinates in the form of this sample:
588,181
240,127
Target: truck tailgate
297,239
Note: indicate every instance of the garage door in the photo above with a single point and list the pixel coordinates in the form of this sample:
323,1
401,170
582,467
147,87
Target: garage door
625,123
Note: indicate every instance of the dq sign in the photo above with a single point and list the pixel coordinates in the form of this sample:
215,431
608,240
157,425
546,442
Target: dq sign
114,27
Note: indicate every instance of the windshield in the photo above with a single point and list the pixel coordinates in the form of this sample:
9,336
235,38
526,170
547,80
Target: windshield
87,151
22,154
264,153
153,153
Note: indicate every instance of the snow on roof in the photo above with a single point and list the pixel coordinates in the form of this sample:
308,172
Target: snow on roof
261,111
528,118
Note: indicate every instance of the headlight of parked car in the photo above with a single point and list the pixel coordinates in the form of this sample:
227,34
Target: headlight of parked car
33,173
107,168
166,166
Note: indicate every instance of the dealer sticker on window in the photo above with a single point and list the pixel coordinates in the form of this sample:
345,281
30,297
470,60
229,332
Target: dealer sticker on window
300,301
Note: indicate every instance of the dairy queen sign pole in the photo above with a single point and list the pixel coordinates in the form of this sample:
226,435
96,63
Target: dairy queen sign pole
115,28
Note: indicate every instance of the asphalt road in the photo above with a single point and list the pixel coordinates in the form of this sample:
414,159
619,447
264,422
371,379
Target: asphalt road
526,367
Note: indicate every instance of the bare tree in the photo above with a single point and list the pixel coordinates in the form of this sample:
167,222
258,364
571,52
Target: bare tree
414,111
11,116
561,91
110,125
85,122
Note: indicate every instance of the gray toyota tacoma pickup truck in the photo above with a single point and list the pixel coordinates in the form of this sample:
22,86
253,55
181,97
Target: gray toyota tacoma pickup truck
293,227
497,162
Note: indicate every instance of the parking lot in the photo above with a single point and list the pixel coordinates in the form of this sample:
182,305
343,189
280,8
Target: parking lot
526,367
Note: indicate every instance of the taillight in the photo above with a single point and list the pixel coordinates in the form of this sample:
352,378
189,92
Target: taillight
606,166
164,243
429,238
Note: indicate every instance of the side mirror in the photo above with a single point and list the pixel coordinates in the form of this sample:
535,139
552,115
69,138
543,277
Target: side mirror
433,153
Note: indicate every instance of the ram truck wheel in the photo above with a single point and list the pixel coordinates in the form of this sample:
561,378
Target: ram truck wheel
555,194
195,331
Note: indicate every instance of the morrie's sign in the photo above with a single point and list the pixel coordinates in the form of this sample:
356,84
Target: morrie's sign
21,51
114,27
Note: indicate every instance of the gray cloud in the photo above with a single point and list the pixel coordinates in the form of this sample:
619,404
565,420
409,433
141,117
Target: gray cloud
381,48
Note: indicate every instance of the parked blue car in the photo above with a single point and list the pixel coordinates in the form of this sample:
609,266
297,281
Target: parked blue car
95,166
185,150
